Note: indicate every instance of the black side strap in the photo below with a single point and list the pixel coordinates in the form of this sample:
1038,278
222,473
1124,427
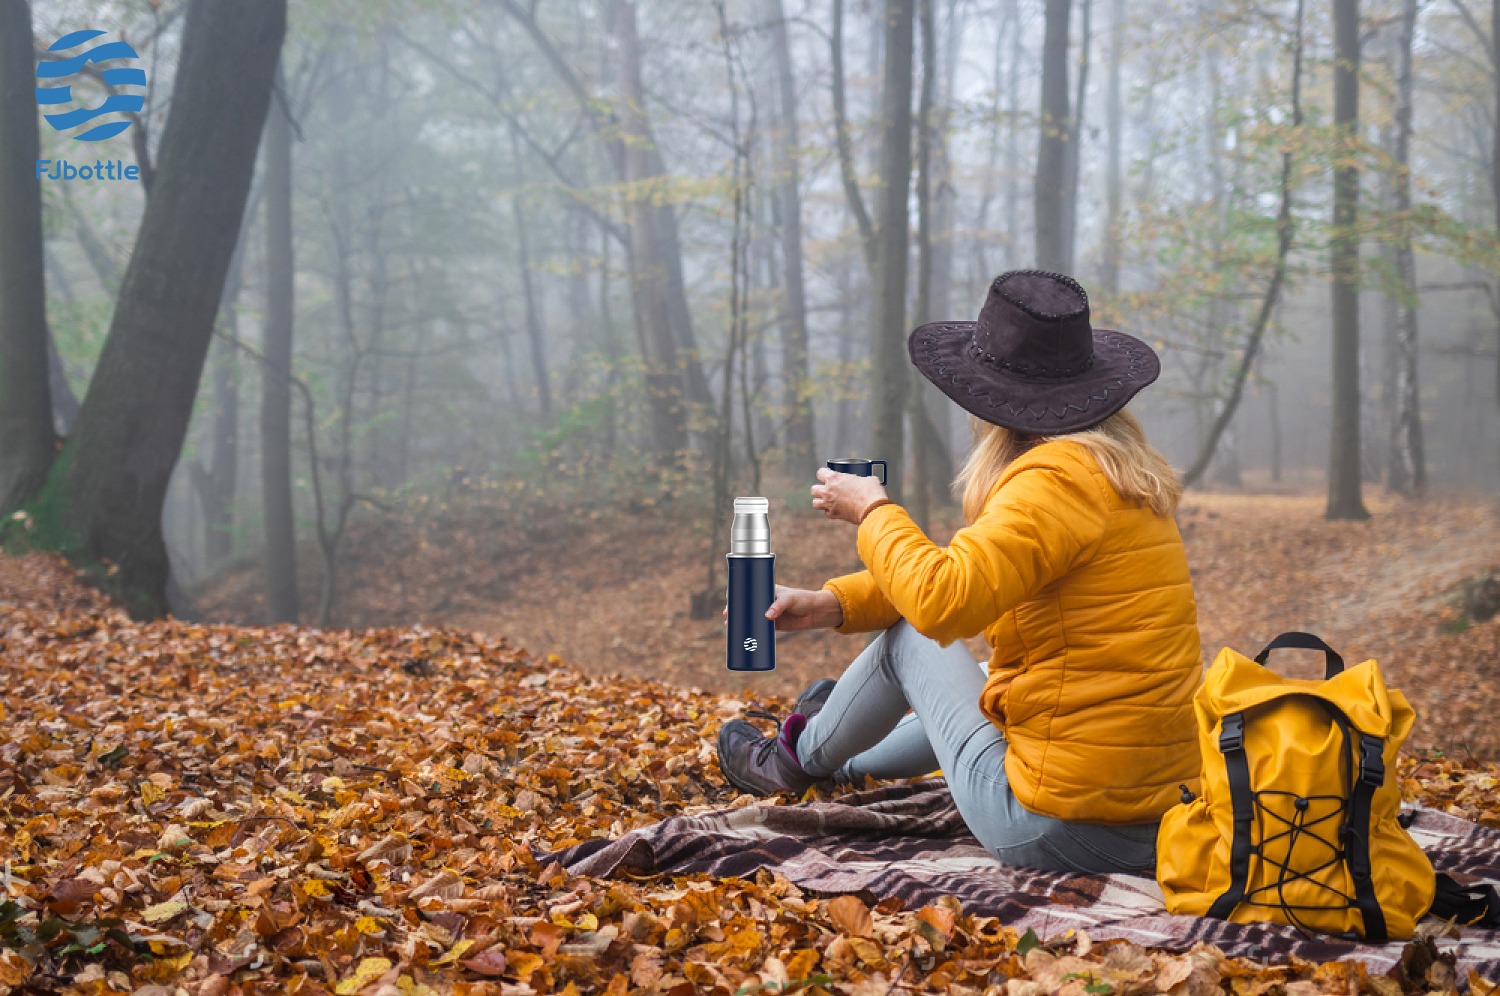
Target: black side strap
1357,847
1333,663
1475,906
1237,765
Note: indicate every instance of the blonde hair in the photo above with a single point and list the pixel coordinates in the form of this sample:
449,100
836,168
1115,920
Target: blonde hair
1134,467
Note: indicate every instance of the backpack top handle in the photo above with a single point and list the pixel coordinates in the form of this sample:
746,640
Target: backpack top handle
1304,641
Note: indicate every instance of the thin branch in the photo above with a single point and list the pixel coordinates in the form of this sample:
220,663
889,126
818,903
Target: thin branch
603,121
841,141
552,158
1479,32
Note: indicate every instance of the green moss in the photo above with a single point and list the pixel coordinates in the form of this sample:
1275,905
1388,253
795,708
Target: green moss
43,525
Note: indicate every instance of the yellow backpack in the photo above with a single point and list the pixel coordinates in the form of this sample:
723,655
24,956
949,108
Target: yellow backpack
1296,821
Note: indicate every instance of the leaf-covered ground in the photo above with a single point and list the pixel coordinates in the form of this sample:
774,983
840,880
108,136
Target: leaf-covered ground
212,809
608,589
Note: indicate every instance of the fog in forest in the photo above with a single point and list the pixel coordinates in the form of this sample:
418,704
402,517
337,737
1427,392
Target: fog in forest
596,253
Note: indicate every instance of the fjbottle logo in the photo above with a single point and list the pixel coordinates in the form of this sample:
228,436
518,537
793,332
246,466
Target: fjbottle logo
120,81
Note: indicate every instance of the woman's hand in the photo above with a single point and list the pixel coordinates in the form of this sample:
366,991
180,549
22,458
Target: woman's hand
845,496
799,608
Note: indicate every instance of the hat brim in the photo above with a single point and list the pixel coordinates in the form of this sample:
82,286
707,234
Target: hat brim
1122,366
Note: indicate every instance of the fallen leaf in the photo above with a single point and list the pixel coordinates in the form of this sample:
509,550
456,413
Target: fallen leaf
851,915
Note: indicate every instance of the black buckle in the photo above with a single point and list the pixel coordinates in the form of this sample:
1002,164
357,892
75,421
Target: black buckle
1232,735
1371,764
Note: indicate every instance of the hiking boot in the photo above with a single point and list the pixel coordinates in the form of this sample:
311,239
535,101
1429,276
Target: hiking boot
761,765
810,702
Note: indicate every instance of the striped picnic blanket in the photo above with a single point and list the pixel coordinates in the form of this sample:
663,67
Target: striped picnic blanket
907,840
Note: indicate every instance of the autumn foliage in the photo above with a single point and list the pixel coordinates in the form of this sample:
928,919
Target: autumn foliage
211,809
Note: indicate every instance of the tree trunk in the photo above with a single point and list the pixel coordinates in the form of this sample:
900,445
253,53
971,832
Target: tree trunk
64,401
643,160
843,422
535,334
1013,251
280,561
650,280
27,441
800,448
1074,158
1407,469
944,194
216,483
669,248
944,207
843,145
1345,500
1109,270
888,350
1052,143
932,462
921,497
105,494
1273,408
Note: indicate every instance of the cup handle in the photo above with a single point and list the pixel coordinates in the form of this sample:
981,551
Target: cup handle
881,464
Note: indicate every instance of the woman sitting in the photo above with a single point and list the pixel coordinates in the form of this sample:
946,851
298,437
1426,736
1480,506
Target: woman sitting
1066,755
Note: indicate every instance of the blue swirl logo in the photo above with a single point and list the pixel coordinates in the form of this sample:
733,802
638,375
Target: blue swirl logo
116,76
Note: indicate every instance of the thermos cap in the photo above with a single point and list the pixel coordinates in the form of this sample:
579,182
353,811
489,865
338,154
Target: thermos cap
750,532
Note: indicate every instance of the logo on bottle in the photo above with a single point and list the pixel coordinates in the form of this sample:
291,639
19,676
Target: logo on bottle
117,104
751,644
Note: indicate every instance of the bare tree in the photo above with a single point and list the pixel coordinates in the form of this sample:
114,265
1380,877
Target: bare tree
535,333
1073,161
933,463
1344,479
888,350
1109,275
843,144
792,311
1407,469
279,563
215,480
1051,185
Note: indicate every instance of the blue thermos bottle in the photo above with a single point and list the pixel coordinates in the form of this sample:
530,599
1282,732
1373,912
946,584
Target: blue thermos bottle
752,588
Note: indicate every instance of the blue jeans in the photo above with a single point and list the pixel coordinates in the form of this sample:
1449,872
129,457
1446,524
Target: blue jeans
863,729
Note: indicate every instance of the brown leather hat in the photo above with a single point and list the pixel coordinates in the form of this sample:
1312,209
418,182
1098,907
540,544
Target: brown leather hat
1032,362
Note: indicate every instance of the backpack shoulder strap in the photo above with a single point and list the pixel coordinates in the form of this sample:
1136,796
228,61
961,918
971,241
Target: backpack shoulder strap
1232,746
1475,906
1370,777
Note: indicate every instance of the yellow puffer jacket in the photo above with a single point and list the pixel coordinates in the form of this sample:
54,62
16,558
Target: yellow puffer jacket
1087,602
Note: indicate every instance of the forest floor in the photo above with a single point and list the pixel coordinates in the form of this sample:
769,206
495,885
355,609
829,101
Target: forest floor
217,810
609,592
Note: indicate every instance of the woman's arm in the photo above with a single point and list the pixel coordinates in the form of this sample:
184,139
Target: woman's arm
1033,530
863,606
